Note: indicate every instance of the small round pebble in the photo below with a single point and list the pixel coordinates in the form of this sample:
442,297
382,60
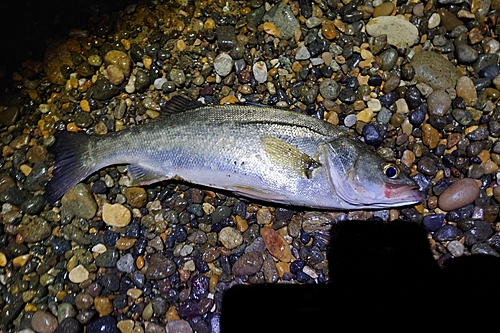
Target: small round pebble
223,64
43,322
78,274
105,324
459,194
259,70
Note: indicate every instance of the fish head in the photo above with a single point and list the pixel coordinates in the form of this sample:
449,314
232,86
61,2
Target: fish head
363,179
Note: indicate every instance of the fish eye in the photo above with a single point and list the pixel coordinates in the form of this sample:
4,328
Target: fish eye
391,170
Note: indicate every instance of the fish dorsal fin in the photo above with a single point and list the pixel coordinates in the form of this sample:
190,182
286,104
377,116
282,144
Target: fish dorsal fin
288,156
180,103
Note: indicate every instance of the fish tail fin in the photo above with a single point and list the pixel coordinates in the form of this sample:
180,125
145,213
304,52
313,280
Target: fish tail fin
71,166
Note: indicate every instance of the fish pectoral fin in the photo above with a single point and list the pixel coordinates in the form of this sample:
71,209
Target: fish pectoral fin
141,176
179,104
288,156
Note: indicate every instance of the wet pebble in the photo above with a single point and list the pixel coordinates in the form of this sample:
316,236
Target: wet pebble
43,322
159,267
434,70
35,231
275,244
329,89
248,264
439,102
459,194
467,90
116,215
105,324
178,326
447,232
79,202
223,64
230,237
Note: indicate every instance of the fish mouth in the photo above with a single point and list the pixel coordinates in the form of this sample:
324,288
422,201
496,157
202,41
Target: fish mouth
403,193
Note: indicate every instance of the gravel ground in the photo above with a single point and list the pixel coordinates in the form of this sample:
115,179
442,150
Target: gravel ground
417,81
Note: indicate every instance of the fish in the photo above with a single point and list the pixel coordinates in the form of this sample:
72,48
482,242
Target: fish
259,152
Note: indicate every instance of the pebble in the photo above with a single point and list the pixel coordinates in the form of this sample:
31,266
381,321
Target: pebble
283,18
136,196
430,136
329,89
103,305
43,322
115,75
465,53
223,64
384,9
35,231
69,325
259,70
248,264
159,267
103,89
439,102
434,70
467,90
275,244
119,59
79,202
456,248
434,21
105,324
459,194
302,53
230,237
399,31
78,274
116,215
178,326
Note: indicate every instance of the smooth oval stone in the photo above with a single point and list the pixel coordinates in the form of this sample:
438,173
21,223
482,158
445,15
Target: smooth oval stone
459,194
399,31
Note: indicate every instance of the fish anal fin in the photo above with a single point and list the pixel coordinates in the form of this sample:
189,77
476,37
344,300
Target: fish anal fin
141,176
288,156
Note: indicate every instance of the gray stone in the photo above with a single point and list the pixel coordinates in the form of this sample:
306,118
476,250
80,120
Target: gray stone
79,202
35,231
400,32
434,70
282,17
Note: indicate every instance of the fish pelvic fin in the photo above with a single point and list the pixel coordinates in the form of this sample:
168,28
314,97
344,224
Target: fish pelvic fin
288,156
71,165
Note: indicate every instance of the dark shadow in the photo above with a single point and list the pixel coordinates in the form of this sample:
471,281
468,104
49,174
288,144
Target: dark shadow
382,276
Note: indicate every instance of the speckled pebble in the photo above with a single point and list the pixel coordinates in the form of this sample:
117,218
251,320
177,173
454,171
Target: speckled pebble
439,102
230,237
126,263
456,248
459,194
434,70
159,267
303,53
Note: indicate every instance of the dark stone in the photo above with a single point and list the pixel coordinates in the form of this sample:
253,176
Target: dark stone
69,325
103,89
433,222
447,232
373,135
106,324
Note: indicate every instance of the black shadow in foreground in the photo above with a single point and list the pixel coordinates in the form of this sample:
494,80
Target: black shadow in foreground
382,276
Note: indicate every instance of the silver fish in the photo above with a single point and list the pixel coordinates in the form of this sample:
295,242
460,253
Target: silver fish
259,152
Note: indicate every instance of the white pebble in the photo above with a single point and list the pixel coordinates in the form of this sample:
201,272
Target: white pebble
223,64
434,21
350,120
374,105
260,71
302,54
159,82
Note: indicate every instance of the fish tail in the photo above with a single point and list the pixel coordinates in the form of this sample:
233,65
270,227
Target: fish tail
71,166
